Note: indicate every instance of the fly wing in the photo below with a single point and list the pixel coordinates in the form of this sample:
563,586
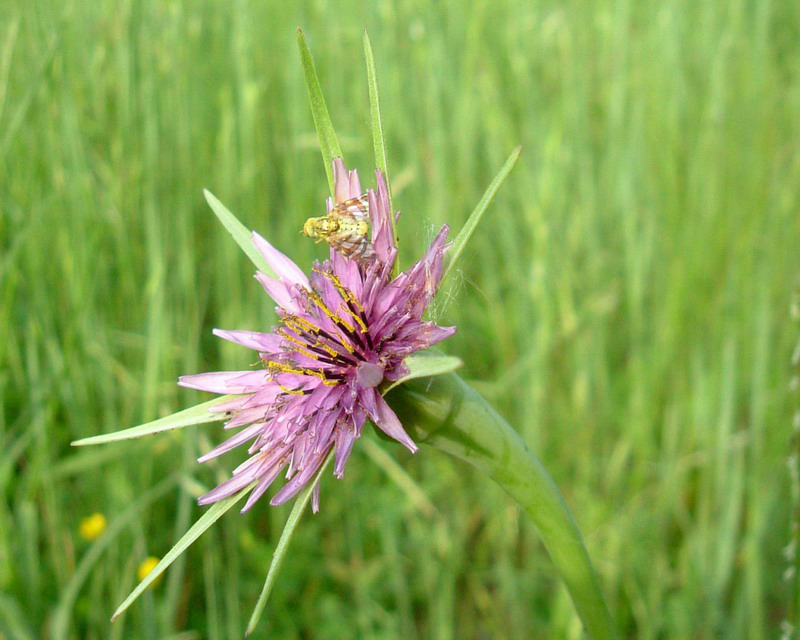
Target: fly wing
357,208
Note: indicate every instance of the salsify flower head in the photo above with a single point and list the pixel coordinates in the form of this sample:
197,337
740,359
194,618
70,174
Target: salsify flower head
345,329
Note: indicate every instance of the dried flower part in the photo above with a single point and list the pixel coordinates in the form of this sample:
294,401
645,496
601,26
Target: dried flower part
344,330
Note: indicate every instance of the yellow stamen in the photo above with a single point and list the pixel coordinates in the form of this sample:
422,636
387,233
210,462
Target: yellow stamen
282,367
299,344
337,319
297,392
347,296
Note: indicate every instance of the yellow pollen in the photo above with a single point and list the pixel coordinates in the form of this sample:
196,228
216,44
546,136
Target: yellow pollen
333,353
346,294
293,322
299,344
358,319
282,367
337,319
297,392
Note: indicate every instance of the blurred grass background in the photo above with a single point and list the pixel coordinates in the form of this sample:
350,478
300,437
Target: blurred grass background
625,305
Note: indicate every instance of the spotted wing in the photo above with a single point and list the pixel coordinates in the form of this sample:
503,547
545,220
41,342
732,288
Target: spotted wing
352,238
357,208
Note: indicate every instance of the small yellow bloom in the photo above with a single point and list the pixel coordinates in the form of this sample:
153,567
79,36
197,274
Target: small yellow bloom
92,527
146,567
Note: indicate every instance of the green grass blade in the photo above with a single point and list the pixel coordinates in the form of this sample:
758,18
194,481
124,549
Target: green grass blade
205,521
283,545
475,217
240,233
426,364
13,621
328,142
401,478
198,414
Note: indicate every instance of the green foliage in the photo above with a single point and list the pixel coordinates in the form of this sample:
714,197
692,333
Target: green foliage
624,302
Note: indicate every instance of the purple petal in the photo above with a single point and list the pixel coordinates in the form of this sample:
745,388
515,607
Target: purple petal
246,416
341,181
229,405
265,342
224,381
355,184
344,445
280,264
262,486
278,291
386,420
315,498
381,230
229,487
400,370
290,489
323,428
419,335
231,443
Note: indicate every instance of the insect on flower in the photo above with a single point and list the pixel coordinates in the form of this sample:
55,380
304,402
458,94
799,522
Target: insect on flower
345,228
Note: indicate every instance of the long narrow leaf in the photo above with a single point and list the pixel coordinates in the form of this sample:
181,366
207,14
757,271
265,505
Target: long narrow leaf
378,140
283,545
378,143
446,413
328,142
205,521
198,414
240,233
475,217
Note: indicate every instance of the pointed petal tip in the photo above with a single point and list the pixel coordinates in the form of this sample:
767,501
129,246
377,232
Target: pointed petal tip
278,500
280,263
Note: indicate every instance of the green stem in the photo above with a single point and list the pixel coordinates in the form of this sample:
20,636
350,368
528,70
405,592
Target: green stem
446,413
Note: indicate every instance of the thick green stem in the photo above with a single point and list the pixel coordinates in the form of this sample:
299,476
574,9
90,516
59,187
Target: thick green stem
446,413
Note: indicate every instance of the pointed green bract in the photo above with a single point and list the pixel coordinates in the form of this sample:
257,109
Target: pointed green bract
446,413
475,217
198,414
205,521
426,364
240,233
378,141
328,142
300,503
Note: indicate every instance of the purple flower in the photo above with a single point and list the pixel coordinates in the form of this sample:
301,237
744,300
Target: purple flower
344,330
